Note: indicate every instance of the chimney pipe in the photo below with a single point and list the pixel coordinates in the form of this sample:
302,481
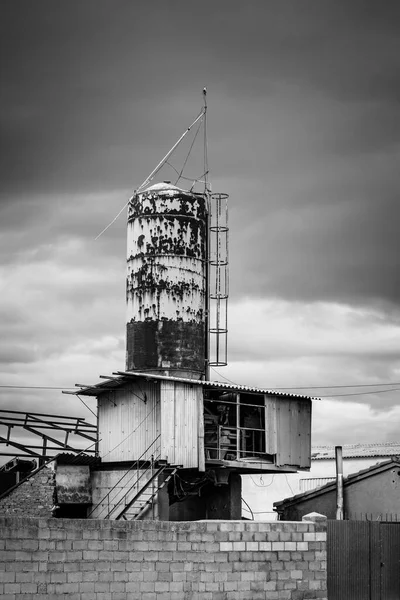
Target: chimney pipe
339,483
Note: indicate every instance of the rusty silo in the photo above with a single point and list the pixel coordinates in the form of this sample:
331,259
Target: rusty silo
166,281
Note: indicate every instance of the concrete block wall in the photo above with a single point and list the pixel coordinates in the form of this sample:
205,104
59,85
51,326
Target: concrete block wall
34,497
46,559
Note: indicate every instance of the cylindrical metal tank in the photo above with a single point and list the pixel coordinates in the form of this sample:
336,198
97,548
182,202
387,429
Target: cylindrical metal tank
166,281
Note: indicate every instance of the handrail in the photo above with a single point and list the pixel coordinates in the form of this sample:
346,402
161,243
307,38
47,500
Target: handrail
135,484
134,464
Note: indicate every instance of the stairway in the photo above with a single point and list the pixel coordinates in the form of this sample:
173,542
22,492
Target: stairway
143,500
136,491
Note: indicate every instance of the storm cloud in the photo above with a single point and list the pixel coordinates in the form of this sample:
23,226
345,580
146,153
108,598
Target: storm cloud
304,135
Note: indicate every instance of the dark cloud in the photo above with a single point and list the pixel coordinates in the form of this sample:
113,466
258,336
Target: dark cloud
303,134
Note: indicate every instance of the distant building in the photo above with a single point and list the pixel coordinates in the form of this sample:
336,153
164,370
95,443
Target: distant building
260,492
371,494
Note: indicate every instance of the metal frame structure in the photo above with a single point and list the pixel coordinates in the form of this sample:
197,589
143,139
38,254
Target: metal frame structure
218,280
15,422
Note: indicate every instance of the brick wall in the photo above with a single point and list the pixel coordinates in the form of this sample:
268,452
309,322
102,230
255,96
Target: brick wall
34,497
42,559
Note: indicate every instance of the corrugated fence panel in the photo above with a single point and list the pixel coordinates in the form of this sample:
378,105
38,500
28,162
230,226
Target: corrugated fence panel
390,561
348,560
128,422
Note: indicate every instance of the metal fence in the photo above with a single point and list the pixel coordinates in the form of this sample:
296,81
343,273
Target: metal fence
363,560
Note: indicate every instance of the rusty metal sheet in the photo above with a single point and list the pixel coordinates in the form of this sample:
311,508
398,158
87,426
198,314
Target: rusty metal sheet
166,280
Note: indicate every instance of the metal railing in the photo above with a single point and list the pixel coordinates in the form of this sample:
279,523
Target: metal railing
136,472
240,442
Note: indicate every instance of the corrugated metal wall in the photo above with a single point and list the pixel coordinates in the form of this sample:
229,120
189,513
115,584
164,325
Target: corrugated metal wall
181,423
348,560
288,430
129,421
314,482
363,560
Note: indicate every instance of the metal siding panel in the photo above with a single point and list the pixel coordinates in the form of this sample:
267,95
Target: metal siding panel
200,424
186,426
284,434
348,560
122,414
167,391
305,433
270,425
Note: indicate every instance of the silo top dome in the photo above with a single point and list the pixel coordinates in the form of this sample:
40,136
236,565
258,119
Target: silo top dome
164,186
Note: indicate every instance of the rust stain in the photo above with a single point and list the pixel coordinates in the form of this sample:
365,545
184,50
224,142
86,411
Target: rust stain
166,278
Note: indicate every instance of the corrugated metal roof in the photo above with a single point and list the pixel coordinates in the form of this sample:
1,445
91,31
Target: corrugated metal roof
382,466
357,451
123,377
67,458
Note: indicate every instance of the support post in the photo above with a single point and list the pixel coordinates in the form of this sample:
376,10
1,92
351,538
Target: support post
339,483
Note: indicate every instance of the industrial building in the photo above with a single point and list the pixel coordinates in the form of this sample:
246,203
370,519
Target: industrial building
172,444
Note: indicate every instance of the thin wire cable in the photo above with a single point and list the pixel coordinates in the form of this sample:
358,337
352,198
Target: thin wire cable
36,387
250,511
290,487
361,393
265,485
326,387
113,221
88,407
190,150
153,173
321,387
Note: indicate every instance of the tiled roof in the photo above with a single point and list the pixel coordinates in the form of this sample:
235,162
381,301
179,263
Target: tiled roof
350,479
357,451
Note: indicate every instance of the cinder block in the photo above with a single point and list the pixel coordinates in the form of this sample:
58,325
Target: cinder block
247,576
291,546
90,576
301,546
276,546
252,546
285,556
74,577
161,586
71,588
86,587
12,588
58,577
147,586
266,546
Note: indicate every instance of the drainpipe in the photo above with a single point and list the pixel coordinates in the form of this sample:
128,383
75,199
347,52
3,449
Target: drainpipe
339,483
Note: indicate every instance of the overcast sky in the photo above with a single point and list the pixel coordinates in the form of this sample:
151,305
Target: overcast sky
304,135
